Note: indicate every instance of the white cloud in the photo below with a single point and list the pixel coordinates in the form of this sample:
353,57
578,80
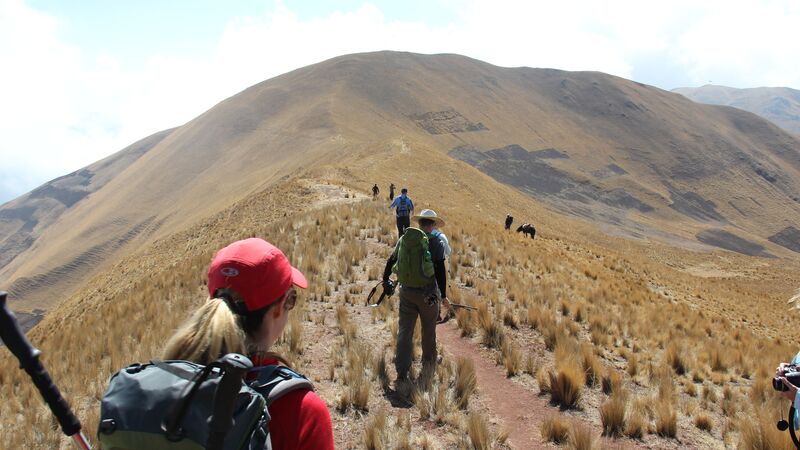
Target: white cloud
63,108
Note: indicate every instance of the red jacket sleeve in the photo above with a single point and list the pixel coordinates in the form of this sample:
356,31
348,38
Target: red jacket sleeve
300,420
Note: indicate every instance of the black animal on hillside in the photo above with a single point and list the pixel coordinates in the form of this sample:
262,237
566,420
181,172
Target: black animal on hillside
509,221
527,228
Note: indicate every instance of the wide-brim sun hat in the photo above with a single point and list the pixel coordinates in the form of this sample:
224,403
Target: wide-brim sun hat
254,269
430,215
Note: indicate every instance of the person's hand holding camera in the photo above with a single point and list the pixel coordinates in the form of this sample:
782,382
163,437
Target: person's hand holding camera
791,390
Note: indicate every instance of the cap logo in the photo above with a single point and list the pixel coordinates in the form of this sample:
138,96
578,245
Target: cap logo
229,271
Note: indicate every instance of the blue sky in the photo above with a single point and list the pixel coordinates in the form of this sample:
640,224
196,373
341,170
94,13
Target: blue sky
83,79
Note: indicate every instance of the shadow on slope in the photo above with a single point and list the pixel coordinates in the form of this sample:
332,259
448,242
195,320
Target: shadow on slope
729,241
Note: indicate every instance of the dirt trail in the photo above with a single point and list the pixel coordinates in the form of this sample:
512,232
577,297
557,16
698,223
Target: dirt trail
520,410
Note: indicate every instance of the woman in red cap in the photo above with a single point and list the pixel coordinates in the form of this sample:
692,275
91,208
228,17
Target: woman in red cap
252,289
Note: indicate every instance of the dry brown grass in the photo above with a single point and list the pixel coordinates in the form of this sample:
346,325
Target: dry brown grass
612,415
615,315
555,429
611,382
704,422
566,385
512,358
759,432
580,437
666,420
676,360
478,431
465,382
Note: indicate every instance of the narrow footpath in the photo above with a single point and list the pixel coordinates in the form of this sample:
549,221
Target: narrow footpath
520,411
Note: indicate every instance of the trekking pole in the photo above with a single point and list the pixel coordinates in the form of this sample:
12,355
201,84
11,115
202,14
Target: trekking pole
28,357
467,307
388,291
235,366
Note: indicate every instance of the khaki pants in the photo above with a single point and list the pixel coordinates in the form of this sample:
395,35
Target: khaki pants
414,302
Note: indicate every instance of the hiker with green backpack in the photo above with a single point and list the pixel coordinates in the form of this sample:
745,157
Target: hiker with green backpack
418,260
166,404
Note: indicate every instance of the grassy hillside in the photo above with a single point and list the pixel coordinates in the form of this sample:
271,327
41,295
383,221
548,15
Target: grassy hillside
779,105
638,161
658,346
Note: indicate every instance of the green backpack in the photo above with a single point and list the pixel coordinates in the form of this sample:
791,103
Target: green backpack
414,266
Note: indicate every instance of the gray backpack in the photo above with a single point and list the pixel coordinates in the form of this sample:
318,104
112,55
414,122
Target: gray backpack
166,405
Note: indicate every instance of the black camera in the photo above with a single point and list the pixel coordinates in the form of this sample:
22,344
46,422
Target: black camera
792,374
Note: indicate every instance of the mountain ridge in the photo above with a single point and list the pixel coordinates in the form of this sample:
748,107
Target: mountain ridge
780,105
685,168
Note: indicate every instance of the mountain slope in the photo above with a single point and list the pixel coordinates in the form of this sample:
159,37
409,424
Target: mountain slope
779,105
637,160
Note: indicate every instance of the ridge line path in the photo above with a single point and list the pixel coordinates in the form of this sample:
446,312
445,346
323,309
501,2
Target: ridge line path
519,409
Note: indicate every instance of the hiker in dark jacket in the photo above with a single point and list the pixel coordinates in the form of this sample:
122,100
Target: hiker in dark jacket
404,210
375,191
509,221
391,192
422,299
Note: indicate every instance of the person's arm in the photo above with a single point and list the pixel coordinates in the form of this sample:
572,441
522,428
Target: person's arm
387,271
300,420
440,272
394,203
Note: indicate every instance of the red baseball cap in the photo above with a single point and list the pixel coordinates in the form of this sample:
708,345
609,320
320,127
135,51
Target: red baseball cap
256,270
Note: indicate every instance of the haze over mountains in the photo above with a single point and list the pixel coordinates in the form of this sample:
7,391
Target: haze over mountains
779,105
633,159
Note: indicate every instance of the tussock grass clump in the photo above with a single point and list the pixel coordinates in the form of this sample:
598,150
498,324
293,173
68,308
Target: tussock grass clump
704,422
566,385
493,335
543,379
293,334
478,431
611,382
375,430
465,382
512,358
758,432
555,429
676,359
691,389
636,420
666,420
612,415
633,366
591,366
510,319
716,360
466,322
580,437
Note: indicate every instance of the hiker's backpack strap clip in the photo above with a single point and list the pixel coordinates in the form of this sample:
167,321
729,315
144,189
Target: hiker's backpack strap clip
274,381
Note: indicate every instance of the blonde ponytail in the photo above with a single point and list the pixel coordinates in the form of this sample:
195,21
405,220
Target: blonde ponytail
211,332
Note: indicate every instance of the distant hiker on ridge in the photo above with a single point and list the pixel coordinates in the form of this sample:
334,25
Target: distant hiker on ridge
509,221
252,290
375,191
418,260
391,192
405,208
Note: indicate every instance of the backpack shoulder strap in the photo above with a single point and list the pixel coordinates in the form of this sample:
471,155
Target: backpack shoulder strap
274,381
